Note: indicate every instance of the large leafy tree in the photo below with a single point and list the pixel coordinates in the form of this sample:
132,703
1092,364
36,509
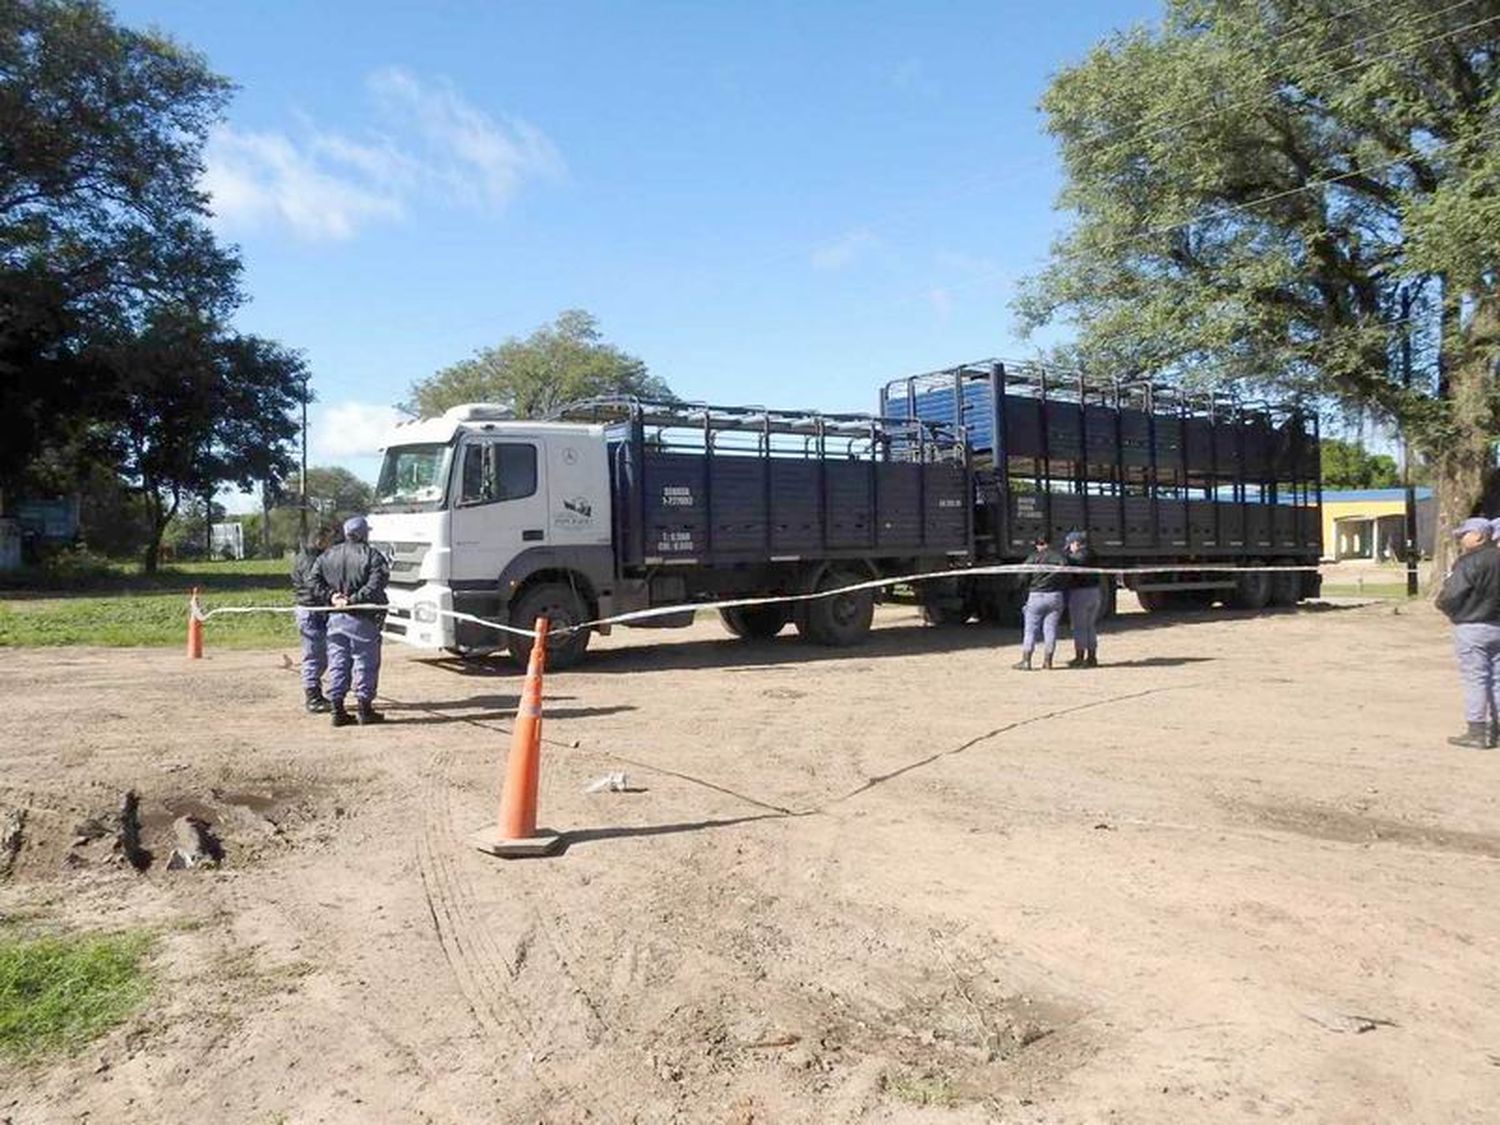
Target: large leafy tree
1349,465
335,493
567,359
101,131
1299,194
114,295
197,410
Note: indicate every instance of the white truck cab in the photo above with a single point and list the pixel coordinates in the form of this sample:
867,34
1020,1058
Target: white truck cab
482,514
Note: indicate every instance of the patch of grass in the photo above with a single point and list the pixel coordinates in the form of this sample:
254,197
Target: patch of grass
925,1088
118,576
159,620
59,992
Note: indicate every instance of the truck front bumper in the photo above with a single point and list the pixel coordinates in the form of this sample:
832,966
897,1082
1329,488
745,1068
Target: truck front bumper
418,616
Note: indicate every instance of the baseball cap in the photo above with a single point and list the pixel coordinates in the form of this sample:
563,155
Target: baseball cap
357,525
1476,524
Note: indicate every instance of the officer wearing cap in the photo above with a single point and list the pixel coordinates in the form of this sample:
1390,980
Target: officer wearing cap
352,573
1470,598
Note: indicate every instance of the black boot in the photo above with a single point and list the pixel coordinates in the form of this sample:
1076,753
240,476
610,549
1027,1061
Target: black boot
1091,660
1079,659
364,714
317,702
1477,738
1024,664
340,718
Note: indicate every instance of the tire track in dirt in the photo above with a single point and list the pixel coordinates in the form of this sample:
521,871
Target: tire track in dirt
483,972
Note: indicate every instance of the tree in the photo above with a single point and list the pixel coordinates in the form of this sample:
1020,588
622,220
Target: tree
101,134
1346,464
557,363
1281,193
199,409
334,493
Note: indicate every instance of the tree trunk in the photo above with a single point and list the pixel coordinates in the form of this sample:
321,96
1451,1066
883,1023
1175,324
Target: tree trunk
1461,467
158,530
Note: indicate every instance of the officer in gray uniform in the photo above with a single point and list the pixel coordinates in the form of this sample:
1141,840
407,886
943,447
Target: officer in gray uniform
353,573
1084,597
1471,599
1044,603
312,626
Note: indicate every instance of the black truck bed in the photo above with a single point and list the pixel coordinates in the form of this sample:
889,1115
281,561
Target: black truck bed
720,486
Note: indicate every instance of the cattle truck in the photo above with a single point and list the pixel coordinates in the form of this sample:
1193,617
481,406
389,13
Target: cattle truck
620,505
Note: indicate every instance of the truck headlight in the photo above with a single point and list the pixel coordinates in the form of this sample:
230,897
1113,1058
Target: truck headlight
424,613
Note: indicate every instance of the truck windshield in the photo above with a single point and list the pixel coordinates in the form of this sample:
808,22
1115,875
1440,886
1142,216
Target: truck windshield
413,478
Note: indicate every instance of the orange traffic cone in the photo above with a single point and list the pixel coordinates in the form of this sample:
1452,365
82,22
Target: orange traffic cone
195,629
516,833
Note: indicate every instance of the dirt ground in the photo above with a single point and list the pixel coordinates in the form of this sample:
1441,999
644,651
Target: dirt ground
1234,874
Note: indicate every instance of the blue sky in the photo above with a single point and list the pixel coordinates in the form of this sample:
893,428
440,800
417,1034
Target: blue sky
778,203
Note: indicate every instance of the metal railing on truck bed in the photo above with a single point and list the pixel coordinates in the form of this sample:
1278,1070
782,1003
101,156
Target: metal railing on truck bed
695,483
1148,469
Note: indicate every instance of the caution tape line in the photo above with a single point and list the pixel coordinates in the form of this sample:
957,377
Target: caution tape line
201,614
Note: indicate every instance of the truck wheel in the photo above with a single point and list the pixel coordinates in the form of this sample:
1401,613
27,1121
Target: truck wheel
1154,601
562,608
755,622
841,620
1286,587
1252,589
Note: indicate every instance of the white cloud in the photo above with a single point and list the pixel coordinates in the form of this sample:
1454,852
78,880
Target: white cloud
425,141
349,429
843,251
475,157
259,179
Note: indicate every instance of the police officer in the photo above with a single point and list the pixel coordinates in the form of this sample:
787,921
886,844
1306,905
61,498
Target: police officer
313,627
1471,598
353,573
1044,603
1084,597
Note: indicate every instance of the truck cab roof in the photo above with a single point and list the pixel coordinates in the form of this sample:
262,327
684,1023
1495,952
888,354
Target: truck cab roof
481,418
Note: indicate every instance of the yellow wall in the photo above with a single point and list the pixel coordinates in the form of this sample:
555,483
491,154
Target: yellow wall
1361,509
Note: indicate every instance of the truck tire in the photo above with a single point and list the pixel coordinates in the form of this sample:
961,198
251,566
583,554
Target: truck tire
755,622
561,607
1286,587
1155,601
839,621
1252,590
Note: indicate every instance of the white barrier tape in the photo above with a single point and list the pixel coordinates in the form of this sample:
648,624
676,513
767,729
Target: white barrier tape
198,612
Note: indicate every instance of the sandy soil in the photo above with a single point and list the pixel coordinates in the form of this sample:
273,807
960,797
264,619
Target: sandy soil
1234,874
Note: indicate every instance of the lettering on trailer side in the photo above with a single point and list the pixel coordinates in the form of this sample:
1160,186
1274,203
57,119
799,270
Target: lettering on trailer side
675,542
676,496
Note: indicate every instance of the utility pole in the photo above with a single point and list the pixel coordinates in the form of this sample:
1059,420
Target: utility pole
302,513
1411,492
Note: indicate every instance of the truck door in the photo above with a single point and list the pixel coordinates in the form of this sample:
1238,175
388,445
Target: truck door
499,507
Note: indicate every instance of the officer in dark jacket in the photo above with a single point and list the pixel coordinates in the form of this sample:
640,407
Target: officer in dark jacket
1084,596
312,626
1471,598
1044,603
353,573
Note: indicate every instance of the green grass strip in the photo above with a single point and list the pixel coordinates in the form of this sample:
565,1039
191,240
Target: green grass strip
58,993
